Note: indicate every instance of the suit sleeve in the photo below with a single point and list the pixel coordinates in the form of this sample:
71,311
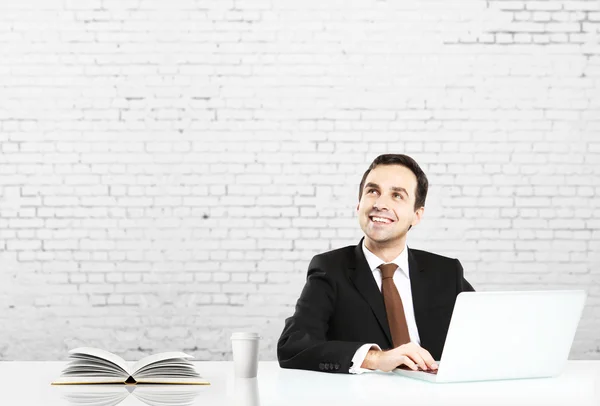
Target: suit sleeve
462,284
303,343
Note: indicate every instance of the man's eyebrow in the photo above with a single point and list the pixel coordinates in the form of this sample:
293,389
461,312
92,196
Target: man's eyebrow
393,188
399,189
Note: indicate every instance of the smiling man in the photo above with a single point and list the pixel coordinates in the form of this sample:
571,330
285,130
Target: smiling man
377,305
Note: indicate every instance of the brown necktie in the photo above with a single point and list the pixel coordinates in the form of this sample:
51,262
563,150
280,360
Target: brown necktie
393,306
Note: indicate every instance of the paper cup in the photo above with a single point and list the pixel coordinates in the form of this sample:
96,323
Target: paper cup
245,354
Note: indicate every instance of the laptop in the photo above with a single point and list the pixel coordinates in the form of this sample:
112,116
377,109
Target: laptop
507,335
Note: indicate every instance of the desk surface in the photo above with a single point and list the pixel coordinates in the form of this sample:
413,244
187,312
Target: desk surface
28,383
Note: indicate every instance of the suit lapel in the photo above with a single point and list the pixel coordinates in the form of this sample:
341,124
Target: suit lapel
418,286
362,278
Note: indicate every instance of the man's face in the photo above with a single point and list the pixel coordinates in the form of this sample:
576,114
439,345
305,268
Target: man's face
386,208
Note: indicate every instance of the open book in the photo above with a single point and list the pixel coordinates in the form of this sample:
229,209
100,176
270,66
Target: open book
93,365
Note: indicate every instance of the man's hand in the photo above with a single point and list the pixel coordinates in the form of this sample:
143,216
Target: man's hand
411,355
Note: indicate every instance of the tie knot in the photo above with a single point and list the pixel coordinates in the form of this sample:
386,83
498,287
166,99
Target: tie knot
387,270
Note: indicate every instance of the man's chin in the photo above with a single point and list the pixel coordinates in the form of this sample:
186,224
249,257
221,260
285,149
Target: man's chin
379,239
384,239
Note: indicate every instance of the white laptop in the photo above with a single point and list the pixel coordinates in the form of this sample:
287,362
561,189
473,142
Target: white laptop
507,335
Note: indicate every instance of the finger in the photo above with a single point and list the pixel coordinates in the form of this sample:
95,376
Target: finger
417,359
412,350
409,363
427,358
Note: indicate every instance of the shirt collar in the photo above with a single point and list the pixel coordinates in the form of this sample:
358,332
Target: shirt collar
374,261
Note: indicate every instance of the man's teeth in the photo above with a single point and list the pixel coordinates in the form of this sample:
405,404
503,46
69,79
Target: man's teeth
380,220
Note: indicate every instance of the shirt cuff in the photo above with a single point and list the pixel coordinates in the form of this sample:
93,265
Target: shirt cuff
359,357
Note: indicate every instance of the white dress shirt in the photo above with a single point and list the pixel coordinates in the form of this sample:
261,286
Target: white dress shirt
402,282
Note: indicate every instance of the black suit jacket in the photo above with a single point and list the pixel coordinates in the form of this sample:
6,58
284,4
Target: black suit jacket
341,308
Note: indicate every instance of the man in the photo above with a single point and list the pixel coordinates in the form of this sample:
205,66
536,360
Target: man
377,305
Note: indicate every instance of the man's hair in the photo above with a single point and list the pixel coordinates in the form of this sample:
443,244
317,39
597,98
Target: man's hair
408,162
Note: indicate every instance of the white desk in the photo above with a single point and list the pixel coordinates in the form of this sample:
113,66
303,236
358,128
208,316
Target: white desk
28,383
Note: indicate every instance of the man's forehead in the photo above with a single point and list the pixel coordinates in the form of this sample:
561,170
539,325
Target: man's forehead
392,176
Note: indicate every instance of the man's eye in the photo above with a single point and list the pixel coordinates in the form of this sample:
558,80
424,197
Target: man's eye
372,191
399,195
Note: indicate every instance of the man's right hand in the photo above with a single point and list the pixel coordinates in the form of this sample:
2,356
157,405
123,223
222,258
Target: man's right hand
411,355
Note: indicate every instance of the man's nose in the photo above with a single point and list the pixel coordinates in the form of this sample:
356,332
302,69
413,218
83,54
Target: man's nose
380,203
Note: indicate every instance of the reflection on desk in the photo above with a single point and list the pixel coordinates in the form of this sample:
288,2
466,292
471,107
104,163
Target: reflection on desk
112,395
246,392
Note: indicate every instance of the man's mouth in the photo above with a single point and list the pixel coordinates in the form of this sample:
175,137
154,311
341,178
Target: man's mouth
380,220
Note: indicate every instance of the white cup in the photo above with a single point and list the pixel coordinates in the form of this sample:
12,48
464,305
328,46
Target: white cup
245,354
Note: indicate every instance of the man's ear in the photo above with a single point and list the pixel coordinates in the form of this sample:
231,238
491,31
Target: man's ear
418,216
357,206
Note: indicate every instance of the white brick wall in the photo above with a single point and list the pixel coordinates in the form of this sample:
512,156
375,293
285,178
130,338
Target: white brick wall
168,169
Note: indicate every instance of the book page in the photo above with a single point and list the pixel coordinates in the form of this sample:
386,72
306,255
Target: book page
158,357
80,380
94,366
175,381
102,354
169,365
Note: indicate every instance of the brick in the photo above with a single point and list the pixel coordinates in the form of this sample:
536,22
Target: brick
543,5
23,245
585,5
563,27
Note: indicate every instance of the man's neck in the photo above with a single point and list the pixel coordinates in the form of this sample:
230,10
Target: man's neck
386,252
